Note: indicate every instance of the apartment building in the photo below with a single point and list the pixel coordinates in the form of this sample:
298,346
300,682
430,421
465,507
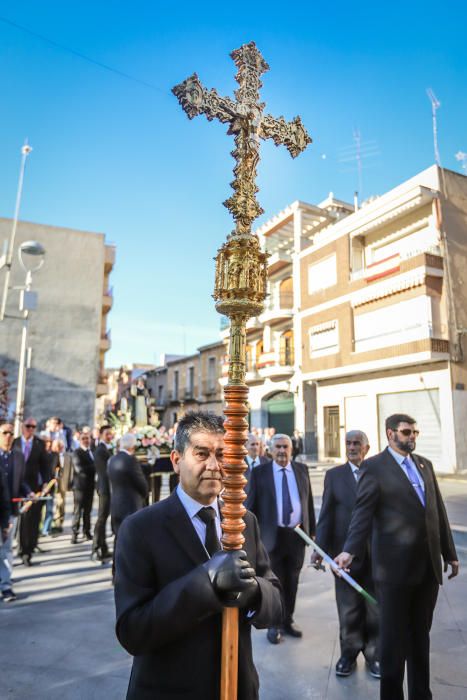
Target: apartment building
366,316
193,382
68,332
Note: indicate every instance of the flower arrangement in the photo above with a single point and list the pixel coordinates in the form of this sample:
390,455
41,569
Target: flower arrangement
150,441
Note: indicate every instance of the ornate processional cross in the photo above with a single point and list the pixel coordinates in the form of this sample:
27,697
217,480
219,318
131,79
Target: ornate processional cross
247,123
241,280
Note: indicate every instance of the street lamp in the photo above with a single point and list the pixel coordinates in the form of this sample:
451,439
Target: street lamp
31,256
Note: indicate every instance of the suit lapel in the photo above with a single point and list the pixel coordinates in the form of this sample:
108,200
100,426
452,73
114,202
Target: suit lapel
350,480
302,488
270,482
183,531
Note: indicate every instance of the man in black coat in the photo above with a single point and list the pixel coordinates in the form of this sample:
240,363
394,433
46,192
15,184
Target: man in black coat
253,459
84,476
14,486
280,496
399,502
128,484
173,579
358,619
37,474
102,454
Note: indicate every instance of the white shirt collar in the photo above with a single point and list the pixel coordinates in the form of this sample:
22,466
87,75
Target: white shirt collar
398,457
353,467
126,452
191,506
277,467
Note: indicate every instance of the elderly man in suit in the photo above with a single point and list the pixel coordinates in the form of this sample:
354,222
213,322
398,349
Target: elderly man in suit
280,496
358,619
173,579
102,454
84,476
37,475
128,485
253,458
399,502
12,475
63,469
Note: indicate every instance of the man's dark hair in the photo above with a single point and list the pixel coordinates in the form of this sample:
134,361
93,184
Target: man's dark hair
195,421
392,422
104,427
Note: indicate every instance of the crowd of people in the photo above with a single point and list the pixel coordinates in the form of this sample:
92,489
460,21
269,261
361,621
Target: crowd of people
382,519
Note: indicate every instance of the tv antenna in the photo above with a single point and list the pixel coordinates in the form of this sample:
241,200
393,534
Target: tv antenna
435,105
357,153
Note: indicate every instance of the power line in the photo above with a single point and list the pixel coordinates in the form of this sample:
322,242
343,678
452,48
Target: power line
83,56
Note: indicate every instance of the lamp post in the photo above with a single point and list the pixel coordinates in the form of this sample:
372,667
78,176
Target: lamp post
7,258
31,256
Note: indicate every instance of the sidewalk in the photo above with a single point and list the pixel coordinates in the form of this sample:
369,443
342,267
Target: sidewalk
59,642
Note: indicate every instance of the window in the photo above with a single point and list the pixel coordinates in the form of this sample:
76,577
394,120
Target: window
212,366
176,384
322,274
160,394
324,339
392,325
190,381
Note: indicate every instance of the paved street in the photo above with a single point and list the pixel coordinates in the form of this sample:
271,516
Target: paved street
58,639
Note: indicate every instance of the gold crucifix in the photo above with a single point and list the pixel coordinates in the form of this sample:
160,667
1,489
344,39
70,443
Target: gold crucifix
248,124
240,287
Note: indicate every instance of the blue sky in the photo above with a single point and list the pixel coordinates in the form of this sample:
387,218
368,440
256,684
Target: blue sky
115,156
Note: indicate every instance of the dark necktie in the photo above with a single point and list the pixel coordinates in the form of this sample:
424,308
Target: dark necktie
414,480
208,516
286,500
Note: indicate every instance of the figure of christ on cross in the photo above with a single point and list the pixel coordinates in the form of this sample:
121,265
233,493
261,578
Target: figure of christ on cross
247,124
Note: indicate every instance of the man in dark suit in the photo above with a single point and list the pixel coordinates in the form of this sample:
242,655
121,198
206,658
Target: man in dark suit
128,484
280,496
358,619
102,454
84,475
253,458
173,579
14,486
399,502
63,468
37,475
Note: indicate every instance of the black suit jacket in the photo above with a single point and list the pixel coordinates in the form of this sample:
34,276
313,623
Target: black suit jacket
84,470
101,457
128,486
261,500
339,496
168,615
405,535
37,469
5,504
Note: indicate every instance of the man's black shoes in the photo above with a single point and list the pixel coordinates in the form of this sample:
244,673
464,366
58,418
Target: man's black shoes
74,539
26,559
293,630
345,666
8,595
374,669
274,635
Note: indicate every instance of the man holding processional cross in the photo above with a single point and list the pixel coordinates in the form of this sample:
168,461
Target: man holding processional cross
180,591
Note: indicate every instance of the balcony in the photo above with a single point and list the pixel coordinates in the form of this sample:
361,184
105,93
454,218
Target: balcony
107,300
109,257
210,387
278,309
173,396
105,342
278,260
275,365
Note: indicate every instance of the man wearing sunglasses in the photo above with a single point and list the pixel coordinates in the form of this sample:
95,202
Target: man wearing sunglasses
399,502
15,486
37,474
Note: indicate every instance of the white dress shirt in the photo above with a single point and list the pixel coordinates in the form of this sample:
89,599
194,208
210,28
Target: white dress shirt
399,459
192,508
296,515
252,462
355,471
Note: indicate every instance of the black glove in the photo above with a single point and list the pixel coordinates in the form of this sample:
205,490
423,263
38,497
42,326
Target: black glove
232,576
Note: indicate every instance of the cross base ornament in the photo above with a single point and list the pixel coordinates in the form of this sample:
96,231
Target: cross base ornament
241,282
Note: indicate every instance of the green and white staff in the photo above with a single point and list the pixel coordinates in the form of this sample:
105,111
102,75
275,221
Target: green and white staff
340,572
